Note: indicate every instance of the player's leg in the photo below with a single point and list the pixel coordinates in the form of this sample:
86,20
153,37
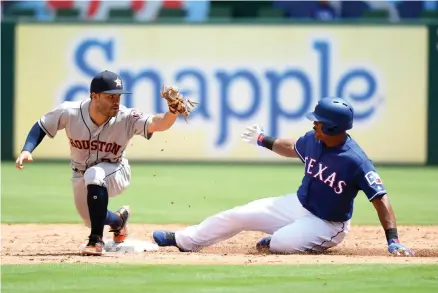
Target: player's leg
117,180
265,215
307,234
80,200
103,181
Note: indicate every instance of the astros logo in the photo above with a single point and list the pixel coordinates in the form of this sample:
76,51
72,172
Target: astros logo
118,82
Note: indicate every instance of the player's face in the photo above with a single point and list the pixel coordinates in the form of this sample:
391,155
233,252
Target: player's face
108,104
318,131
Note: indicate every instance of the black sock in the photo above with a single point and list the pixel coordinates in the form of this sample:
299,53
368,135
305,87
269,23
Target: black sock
97,200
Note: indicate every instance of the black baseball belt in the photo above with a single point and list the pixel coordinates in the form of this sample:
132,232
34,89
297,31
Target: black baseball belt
82,172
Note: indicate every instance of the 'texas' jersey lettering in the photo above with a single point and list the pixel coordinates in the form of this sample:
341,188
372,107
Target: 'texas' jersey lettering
319,171
94,145
333,176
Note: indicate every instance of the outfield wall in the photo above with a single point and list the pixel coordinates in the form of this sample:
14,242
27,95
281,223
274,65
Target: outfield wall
241,74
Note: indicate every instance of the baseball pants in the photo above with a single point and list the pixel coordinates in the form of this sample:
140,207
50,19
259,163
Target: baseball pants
115,177
293,228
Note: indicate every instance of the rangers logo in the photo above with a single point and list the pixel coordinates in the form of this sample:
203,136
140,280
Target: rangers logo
373,178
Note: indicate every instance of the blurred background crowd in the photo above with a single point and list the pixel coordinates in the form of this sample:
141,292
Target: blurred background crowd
202,11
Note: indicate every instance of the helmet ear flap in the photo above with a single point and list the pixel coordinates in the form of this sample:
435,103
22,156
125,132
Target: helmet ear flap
330,130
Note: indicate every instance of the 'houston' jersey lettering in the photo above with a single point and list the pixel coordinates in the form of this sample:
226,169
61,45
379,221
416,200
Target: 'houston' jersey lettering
90,144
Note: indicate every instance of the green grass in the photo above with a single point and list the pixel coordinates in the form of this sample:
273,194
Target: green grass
238,279
189,193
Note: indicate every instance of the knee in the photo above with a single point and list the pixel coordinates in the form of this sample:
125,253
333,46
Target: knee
94,176
237,215
300,243
280,244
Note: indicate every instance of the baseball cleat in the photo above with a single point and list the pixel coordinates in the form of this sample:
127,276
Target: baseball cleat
264,244
166,238
121,233
95,246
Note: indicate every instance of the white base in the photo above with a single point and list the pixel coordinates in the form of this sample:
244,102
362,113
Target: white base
128,246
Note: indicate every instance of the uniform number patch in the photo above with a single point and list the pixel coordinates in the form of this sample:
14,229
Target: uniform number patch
373,178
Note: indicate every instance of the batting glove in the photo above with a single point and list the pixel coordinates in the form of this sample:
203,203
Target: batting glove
253,134
398,249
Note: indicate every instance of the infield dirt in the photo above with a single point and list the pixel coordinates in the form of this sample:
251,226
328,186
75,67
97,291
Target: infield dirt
59,243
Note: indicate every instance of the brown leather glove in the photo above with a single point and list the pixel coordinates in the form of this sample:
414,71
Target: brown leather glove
177,103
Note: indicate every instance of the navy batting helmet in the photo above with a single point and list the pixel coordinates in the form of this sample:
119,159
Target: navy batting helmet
336,115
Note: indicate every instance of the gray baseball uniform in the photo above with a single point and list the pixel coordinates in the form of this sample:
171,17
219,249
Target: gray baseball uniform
97,153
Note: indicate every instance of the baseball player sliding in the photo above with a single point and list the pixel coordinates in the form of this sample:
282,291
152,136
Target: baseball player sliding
315,218
98,130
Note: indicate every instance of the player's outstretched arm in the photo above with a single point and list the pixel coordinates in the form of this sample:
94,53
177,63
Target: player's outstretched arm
388,221
283,146
34,138
161,122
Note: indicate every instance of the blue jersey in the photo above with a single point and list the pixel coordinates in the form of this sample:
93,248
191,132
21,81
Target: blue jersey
334,176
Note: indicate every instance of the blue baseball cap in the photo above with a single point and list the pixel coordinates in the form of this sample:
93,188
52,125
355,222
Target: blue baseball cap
107,82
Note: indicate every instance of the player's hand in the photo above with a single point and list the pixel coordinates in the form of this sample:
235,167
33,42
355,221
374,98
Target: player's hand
25,156
398,249
252,133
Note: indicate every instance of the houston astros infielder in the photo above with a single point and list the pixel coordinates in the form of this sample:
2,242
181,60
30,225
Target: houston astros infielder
99,129
318,216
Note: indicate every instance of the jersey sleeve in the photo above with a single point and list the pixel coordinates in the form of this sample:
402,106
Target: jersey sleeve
137,123
300,145
54,120
369,181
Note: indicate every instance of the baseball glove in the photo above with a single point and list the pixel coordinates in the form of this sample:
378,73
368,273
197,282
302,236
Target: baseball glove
177,103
